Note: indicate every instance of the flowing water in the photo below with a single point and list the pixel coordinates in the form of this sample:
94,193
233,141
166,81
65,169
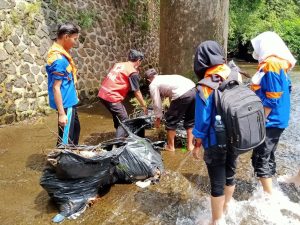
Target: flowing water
181,197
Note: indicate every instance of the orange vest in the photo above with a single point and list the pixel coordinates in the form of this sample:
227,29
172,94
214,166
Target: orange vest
115,85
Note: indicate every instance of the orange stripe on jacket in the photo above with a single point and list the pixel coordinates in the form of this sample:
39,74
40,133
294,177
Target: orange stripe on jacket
56,50
275,64
206,91
274,94
59,74
255,87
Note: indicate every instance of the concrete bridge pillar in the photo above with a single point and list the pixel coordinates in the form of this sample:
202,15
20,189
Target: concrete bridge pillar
186,23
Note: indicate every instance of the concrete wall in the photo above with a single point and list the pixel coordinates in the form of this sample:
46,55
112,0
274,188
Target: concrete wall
186,23
26,27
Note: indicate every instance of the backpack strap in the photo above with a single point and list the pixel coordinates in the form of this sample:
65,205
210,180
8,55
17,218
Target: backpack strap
213,82
233,79
217,98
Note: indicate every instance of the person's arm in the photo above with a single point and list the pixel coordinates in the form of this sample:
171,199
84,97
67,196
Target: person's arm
59,68
134,80
62,118
203,111
157,104
140,99
197,148
273,91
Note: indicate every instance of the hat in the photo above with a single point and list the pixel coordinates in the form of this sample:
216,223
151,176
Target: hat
150,73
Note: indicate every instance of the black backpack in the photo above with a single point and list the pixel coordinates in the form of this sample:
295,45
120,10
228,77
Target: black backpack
241,111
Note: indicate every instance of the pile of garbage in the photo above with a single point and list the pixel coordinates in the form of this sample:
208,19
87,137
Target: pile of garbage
75,174
147,122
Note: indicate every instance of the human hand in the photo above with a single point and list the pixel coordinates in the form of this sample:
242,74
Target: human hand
62,120
145,110
197,153
157,123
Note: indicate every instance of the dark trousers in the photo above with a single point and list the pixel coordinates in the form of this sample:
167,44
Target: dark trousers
263,157
118,112
70,133
221,167
182,108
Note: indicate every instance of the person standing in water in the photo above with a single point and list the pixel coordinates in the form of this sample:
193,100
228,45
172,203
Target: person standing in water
272,84
62,78
181,92
221,163
121,79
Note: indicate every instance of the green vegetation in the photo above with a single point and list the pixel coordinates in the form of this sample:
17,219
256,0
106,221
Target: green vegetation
136,15
249,18
85,18
24,15
5,32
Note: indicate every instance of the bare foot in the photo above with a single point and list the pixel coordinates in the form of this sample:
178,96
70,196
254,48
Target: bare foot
190,148
167,148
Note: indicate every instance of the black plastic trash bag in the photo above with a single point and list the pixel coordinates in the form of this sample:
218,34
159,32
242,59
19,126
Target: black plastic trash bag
82,161
139,158
73,195
73,179
139,124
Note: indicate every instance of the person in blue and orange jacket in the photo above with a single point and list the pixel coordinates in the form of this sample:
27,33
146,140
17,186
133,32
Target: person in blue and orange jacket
272,84
62,77
221,164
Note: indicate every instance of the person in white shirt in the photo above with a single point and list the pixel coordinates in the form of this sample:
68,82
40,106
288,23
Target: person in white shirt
181,92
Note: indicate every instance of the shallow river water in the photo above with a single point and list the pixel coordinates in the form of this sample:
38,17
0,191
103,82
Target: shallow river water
181,197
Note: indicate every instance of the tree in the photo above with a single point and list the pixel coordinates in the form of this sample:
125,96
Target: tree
249,18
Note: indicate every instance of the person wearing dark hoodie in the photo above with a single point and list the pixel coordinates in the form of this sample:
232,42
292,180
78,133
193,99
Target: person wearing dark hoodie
210,64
